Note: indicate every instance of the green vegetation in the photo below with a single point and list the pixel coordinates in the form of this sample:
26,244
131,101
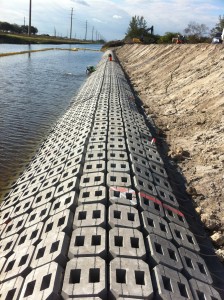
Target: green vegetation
138,29
9,38
218,27
7,27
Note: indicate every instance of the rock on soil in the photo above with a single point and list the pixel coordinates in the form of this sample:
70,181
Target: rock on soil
182,88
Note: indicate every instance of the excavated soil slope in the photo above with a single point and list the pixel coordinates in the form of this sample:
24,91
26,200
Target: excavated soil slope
182,88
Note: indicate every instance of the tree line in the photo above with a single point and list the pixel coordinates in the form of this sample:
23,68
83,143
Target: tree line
14,28
194,32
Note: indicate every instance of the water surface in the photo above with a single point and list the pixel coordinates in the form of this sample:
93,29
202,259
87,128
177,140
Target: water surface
35,90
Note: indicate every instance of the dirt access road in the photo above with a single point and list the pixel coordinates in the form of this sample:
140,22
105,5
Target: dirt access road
182,88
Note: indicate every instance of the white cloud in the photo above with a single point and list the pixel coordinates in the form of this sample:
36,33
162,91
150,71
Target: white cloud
117,17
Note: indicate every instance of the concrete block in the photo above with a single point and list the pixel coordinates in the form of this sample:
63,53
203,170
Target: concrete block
85,277
175,216
10,290
38,214
116,131
18,189
38,179
31,191
75,152
167,196
13,226
98,132
26,176
29,236
130,278
92,194
60,222
162,251
94,166
74,171
95,155
17,264
117,155
122,195
67,201
136,159
92,179
201,290
89,215
118,166
126,242
170,284
116,145
66,186
114,121
10,201
156,224
53,247
133,137
7,245
158,169
129,131
50,182
123,216
96,147
162,182
43,197
118,179
136,143
142,184
140,171
98,139
74,161
45,168
88,241
5,215
152,155
184,237
2,263
150,204
44,282
140,151
194,266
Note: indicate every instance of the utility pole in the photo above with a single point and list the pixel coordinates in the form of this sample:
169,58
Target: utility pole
71,24
86,31
24,21
92,33
29,29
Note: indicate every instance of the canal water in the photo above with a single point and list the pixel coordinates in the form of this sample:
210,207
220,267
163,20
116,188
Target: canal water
35,90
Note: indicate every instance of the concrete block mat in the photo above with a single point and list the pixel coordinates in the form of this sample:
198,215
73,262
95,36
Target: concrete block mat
88,241
92,195
85,276
44,282
156,224
67,201
88,215
130,278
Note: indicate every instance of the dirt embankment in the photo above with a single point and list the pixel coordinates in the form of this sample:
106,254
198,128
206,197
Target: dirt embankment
182,88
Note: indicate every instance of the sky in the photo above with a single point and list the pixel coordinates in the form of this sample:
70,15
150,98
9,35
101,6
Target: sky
109,19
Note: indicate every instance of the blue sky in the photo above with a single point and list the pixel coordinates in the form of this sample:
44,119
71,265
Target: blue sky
110,18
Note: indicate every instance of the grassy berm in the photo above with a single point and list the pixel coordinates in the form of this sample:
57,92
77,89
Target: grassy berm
36,39
182,88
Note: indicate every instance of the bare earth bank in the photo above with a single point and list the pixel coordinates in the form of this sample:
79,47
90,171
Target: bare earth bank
182,88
